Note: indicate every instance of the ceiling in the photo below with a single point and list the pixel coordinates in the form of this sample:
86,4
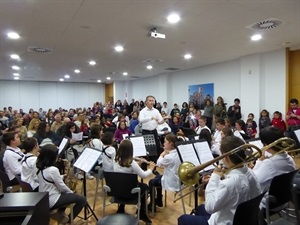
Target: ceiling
78,31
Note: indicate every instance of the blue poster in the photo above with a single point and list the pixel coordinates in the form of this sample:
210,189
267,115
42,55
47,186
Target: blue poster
198,93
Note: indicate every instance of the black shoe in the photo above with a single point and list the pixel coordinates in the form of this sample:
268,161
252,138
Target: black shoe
150,208
155,172
159,202
144,217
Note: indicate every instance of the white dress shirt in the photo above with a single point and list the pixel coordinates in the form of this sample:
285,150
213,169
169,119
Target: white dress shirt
170,162
134,168
108,158
215,147
54,189
146,120
223,196
28,173
12,162
199,128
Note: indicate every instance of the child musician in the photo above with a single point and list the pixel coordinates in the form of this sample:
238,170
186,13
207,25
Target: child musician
52,182
169,160
224,192
28,173
124,163
12,156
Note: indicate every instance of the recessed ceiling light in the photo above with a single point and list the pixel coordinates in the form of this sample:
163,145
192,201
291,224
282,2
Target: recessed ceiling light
149,67
61,79
108,78
15,68
16,78
14,56
256,37
187,56
125,73
16,74
77,71
92,63
119,48
173,18
99,81
67,76
13,35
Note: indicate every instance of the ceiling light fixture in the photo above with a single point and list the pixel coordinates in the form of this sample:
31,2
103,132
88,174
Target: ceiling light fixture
61,79
125,73
67,76
15,68
173,18
256,37
16,74
99,81
187,56
16,78
13,35
149,67
92,63
119,48
14,56
77,71
108,78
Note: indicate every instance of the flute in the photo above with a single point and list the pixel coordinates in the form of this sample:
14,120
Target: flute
142,160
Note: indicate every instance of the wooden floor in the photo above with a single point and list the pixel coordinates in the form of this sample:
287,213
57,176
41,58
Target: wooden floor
164,216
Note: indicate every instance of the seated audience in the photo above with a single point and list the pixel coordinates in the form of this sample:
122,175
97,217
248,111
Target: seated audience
121,131
45,136
33,126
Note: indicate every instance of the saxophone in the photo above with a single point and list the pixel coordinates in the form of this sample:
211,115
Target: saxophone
70,179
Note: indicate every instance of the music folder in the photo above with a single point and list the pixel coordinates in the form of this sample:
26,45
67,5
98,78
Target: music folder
195,151
87,159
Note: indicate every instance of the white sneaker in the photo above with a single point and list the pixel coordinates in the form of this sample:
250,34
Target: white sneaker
80,176
89,176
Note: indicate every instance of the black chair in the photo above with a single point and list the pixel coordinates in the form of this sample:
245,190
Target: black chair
118,219
123,189
6,187
247,212
280,194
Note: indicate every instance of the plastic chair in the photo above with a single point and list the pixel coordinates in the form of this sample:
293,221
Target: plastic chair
280,194
123,189
248,211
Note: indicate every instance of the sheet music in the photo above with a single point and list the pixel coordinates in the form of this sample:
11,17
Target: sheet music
188,154
77,136
139,148
62,145
260,145
87,159
125,136
297,133
204,153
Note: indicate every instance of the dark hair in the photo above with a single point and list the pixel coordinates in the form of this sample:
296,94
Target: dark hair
13,128
8,137
107,138
172,138
269,135
95,131
278,113
294,100
237,100
184,104
249,120
220,121
41,130
242,124
124,154
119,125
264,110
206,135
68,126
227,131
232,142
29,144
251,114
47,156
203,118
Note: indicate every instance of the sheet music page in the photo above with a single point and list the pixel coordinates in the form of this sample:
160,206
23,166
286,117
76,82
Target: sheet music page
87,159
204,153
124,136
62,145
188,154
297,133
139,148
77,136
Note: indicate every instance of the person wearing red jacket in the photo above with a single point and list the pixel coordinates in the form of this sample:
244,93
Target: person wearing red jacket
278,122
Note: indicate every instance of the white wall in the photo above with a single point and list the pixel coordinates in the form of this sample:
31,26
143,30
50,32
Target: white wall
25,95
258,80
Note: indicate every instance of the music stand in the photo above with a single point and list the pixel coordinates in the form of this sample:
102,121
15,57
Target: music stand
150,144
86,162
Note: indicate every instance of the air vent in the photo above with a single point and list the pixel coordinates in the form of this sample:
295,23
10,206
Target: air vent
135,77
39,50
172,69
266,24
151,61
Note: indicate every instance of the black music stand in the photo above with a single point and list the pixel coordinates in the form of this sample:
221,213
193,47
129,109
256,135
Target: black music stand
86,162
